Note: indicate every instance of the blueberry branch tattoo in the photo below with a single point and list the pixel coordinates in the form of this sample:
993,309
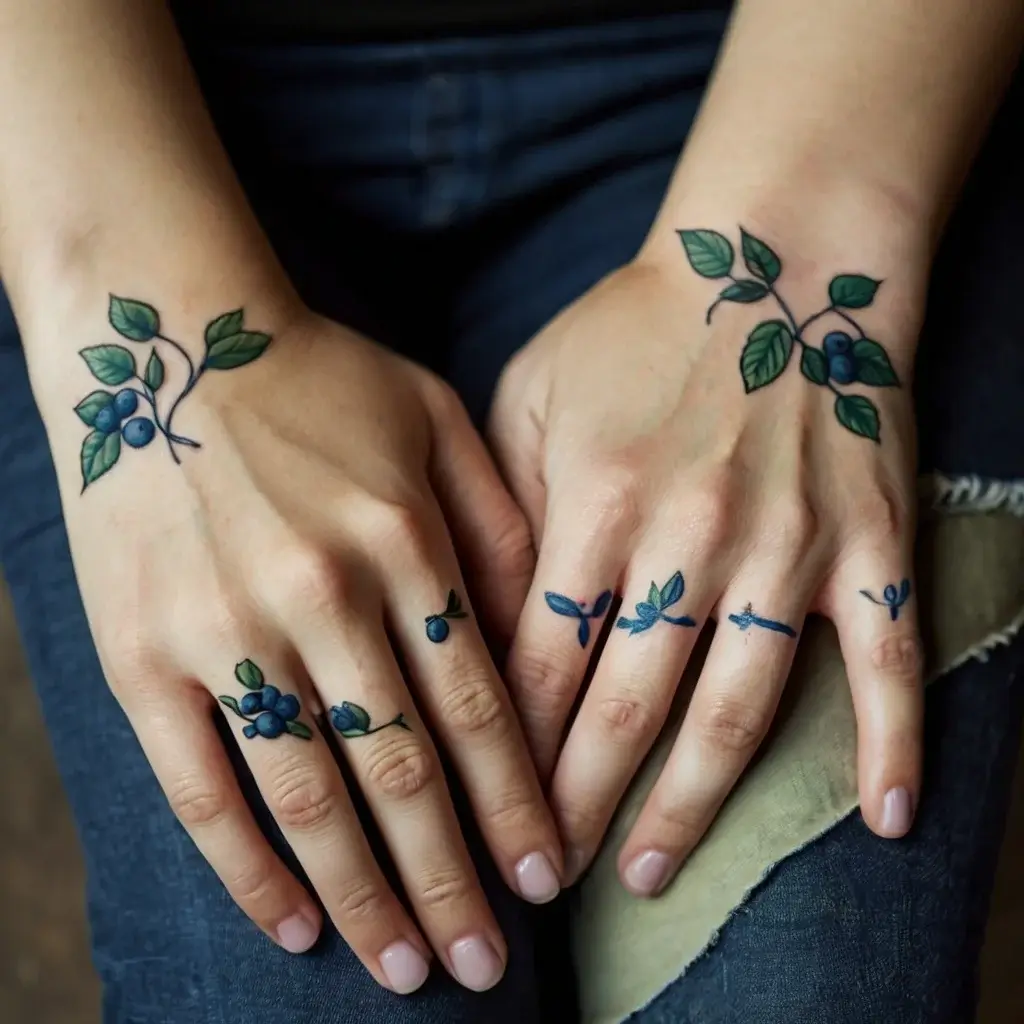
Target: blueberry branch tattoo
437,625
747,618
566,606
652,611
112,415
268,711
893,597
842,359
353,721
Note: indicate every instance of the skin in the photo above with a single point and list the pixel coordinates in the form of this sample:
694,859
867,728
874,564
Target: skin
625,434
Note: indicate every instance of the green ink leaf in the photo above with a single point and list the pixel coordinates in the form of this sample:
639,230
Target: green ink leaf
99,454
761,261
744,291
814,365
110,364
236,350
299,729
230,702
859,415
672,591
766,354
134,320
852,291
90,406
249,675
872,364
358,718
709,253
400,721
154,371
227,325
654,595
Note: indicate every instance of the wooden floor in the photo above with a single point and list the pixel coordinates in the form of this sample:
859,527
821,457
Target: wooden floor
45,975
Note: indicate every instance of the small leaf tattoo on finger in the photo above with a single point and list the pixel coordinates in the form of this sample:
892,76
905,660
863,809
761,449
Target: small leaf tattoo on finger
268,712
437,625
747,618
353,721
893,597
652,611
562,605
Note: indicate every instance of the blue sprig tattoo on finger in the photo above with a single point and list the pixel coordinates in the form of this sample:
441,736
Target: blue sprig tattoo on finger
893,597
268,711
566,606
353,721
652,611
842,359
437,625
112,414
747,618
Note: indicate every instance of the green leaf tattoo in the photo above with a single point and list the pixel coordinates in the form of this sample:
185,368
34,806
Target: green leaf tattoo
133,415
841,360
249,675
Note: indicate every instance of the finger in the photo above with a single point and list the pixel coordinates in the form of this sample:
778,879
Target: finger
732,706
875,612
303,788
491,534
193,769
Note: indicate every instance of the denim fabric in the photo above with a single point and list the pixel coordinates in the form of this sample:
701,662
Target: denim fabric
448,198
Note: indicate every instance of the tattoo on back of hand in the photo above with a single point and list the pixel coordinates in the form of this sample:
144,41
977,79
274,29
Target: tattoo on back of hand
269,712
652,611
843,359
562,605
115,417
893,597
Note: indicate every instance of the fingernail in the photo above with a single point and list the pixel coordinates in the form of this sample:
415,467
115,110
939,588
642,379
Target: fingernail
537,880
647,873
297,933
897,813
475,963
404,967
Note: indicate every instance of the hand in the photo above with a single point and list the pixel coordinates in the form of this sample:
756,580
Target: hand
649,463
267,576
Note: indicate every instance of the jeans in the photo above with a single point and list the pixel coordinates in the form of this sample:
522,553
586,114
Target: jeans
448,198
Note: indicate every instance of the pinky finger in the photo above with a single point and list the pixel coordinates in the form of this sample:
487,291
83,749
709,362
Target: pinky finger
197,777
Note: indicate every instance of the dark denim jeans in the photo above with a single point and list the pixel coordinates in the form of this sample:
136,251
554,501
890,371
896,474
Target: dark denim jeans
448,198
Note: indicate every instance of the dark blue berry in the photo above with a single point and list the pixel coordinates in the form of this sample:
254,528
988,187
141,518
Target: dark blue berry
837,343
250,704
107,420
890,594
126,402
437,629
138,432
287,706
269,724
249,731
841,369
269,696
343,718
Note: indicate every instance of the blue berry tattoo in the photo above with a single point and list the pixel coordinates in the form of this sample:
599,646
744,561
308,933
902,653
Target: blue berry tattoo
842,360
267,711
111,414
353,721
893,597
652,611
566,606
747,618
437,625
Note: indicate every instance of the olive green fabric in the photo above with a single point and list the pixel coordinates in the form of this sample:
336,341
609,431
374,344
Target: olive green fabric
970,571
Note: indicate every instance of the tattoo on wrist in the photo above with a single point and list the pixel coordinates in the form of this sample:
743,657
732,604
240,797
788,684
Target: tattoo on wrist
437,625
562,605
842,360
893,597
268,711
652,611
747,618
112,414
353,721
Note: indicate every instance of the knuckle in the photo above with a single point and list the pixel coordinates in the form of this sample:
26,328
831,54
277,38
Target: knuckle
900,659
398,525
399,768
543,680
473,708
135,666
442,887
196,802
359,900
733,725
301,798
629,718
307,579
792,525
512,553
251,881
709,513
613,501
881,513
511,810
684,821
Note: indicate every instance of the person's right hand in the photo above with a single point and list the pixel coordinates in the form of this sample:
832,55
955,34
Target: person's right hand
276,568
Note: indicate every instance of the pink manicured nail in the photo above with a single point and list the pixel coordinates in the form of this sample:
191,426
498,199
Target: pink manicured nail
647,873
475,963
297,933
537,880
897,813
403,966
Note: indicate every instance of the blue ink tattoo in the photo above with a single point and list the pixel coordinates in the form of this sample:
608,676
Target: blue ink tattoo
841,360
652,611
437,625
352,721
561,605
275,712
747,619
892,598
112,414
